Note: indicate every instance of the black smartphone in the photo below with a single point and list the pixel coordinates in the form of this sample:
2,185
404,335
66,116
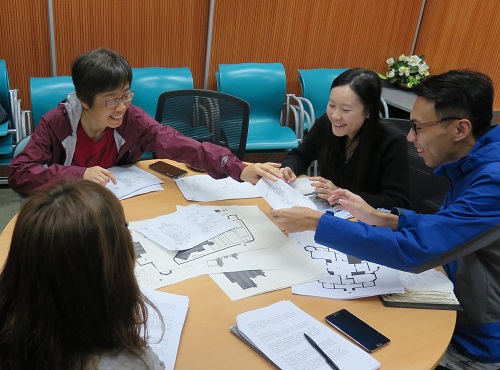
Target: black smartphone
356,329
168,169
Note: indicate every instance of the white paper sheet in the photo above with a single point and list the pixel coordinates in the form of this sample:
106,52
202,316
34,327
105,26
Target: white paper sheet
173,309
303,186
346,277
278,331
281,195
185,228
427,281
254,232
204,188
131,180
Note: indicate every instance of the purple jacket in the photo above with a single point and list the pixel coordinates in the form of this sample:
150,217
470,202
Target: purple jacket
48,155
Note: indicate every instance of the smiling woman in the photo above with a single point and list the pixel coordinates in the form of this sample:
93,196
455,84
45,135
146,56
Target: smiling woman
98,127
354,148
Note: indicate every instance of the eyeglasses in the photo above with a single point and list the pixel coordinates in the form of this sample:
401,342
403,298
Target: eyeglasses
113,103
414,125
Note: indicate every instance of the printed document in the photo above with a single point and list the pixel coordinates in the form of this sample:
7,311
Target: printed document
346,277
185,228
203,188
131,181
281,195
278,331
173,309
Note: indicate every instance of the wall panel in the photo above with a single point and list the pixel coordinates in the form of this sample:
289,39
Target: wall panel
148,33
458,34
24,43
312,34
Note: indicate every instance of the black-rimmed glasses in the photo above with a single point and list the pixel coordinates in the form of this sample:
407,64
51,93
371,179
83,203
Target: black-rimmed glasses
414,125
113,103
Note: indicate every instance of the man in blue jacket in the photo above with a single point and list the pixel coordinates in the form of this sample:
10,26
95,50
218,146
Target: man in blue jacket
452,129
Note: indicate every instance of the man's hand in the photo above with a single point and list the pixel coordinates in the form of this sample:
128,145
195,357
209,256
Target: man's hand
99,175
357,207
254,172
297,219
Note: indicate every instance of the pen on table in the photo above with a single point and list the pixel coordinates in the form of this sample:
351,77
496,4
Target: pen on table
328,360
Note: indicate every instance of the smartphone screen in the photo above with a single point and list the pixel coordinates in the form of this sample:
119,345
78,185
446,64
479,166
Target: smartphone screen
356,329
168,169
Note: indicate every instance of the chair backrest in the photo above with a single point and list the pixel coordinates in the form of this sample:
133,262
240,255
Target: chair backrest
148,83
315,85
47,93
206,115
21,145
427,191
4,87
262,85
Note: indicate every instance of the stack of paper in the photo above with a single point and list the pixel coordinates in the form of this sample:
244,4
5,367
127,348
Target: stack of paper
203,188
132,181
277,331
429,289
164,339
279,195
251,258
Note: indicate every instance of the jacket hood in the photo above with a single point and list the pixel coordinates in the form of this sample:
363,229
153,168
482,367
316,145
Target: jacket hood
484,152
74,109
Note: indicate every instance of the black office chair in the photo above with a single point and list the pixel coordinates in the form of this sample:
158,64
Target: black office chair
206,115
487,239
427,191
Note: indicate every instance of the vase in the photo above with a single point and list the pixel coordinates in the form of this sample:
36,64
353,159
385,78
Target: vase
403,86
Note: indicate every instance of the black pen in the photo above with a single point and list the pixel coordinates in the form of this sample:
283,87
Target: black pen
328,360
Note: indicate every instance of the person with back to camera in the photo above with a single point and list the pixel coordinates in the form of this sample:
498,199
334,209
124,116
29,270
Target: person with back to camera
354,148
69,298
97,127
452,131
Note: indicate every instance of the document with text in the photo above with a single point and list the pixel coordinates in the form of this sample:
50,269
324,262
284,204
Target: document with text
278,331
132,181
281,195
173,309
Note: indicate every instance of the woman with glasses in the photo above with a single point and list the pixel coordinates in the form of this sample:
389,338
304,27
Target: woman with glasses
69,298
354,149
98,127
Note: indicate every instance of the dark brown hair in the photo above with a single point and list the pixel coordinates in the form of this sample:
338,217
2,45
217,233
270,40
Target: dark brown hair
68,291
366,85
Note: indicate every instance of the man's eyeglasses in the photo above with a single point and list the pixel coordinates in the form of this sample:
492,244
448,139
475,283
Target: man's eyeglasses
113,103
414,125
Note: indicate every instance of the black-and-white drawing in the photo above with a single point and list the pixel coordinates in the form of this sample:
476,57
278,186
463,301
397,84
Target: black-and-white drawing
238,235
346,272
245,279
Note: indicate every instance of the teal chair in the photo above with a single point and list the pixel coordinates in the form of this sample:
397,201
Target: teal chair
315,86
5,136
47,93
263,86
7,128
149,83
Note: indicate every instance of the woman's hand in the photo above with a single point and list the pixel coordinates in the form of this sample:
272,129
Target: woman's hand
357,207
99,175
254,172
297,219
323,187
288,175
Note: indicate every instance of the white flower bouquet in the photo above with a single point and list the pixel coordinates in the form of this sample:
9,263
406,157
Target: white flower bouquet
408,71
